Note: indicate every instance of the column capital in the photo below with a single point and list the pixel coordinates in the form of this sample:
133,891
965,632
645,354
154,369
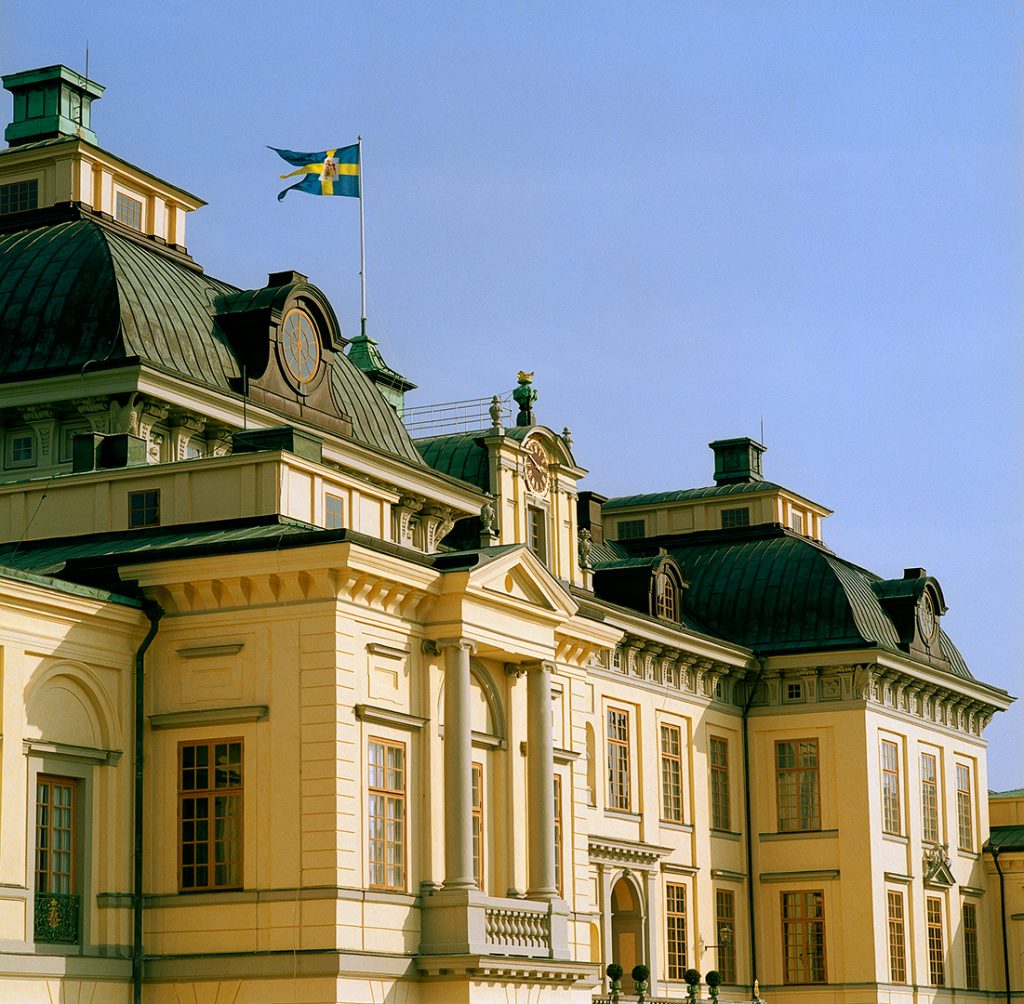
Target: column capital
437,647
518,669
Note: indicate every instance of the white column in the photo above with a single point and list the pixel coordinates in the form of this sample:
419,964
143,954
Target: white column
458,765
540,782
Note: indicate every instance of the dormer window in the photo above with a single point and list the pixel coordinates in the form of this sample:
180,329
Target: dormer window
666,596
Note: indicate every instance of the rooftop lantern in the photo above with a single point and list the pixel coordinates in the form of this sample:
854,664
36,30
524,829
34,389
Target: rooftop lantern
52,102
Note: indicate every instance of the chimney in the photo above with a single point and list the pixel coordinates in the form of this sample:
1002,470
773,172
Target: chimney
588,514
52,102
737,461
914,573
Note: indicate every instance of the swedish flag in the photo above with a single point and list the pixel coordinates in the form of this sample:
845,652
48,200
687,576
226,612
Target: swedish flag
328,172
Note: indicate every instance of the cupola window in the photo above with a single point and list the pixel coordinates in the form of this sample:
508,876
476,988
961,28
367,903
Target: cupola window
128,211
20,196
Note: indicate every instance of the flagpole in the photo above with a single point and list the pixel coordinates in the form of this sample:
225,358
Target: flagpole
362,246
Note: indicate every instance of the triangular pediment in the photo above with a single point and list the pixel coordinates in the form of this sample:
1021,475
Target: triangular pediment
937,873
520,576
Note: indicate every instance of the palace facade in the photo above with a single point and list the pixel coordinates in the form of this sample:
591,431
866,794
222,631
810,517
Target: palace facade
306,699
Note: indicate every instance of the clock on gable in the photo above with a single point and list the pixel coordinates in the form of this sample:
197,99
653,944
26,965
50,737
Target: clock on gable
299,346
536,473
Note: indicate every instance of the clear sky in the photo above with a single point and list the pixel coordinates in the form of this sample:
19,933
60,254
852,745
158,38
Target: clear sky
685,217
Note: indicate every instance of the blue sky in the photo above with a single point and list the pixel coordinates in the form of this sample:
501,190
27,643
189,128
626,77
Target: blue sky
685,217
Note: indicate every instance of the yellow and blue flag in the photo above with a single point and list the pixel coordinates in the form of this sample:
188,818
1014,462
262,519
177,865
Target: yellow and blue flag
328,172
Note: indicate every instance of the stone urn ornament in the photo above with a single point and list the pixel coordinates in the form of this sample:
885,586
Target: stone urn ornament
641,974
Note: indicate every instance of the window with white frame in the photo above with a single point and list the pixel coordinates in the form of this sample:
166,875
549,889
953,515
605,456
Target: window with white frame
617,723
964,808
890,765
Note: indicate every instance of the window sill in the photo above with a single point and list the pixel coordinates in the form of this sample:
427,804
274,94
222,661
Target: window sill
896,838
727,834
623,814
972,855
671,824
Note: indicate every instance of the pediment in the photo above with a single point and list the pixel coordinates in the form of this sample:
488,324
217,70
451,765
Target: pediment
520,575
937,873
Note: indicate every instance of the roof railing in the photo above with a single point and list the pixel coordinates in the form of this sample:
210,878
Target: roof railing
457,416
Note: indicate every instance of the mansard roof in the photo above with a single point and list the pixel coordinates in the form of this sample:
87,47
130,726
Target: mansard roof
776,592
78,292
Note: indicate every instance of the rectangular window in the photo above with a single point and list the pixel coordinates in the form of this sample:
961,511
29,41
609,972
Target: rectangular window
794,691
797,521
897,938
18,197
558,833
671,773
936,955
796,785
721,813
478,824
536,532
128,211
210,815
725,928
630,529
675,926
23,448
56,904
929,799
618,760
964,813
334,512
735,517
803,937
385,813
144,508
891,821
971,946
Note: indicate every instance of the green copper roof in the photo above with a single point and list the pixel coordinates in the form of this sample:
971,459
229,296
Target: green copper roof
79,291
684,494
364,354
1005,838
1011,793
463,454
775,592
85,291
71,588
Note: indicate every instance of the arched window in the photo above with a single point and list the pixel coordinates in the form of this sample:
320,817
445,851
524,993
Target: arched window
666,596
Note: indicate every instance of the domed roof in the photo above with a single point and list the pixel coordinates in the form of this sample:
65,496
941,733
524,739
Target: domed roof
83,291
774,591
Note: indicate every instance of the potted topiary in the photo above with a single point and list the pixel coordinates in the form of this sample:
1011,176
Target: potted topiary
692,978
713,979
641,974
614,974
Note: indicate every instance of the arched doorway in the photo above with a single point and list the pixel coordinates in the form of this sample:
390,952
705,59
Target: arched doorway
628,940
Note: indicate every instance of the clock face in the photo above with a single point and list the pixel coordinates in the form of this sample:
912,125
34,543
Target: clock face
300,345
536,466
926,617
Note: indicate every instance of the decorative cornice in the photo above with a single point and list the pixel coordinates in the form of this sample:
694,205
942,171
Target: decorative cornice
64,751
209,716
629,853
385,716
209,651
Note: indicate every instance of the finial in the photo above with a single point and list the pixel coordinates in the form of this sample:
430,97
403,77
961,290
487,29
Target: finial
567,438
585,544
495,411
524,395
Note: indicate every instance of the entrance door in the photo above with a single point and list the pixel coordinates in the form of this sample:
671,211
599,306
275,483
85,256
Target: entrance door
627,929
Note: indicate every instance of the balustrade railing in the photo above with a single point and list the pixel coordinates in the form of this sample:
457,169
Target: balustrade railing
57,918
517,931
